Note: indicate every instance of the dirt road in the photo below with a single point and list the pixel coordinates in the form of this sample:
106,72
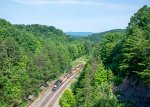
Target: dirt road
50,97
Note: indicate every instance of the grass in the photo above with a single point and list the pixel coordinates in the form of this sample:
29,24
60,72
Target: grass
78,61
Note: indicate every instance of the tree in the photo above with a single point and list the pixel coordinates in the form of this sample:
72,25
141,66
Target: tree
100,75
73,51
108,43
67,99
131,55
132,51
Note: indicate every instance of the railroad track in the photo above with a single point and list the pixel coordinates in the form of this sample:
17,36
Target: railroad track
46,100
49,99
61,90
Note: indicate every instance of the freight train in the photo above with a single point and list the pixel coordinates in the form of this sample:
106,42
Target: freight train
59,82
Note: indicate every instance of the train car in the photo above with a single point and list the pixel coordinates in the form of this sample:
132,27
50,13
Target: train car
68,75
64,79
73,71
77,69
57,84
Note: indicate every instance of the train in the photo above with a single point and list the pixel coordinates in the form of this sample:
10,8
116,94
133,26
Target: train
60,81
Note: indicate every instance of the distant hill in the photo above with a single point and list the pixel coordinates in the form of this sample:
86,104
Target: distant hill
79,34
41,30
98,36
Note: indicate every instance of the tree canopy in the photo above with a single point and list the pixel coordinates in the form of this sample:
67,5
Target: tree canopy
31,55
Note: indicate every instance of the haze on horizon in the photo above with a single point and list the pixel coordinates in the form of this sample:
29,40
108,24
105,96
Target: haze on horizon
72,15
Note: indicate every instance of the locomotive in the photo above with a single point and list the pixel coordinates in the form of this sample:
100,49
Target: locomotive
59,82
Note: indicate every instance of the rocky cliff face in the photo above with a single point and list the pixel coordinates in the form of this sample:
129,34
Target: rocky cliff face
134,91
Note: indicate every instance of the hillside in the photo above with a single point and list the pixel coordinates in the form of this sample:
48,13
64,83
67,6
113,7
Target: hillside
31,55
99,36
117,72
79,34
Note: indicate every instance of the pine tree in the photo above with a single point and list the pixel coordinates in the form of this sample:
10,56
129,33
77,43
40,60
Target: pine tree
67,99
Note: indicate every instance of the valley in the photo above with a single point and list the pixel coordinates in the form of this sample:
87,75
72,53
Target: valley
42,66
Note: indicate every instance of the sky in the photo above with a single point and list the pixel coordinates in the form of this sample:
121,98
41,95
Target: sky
72,15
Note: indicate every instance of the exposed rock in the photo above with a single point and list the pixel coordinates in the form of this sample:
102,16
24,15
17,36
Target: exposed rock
134,91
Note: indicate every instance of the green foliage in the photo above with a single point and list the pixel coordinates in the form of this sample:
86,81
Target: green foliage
118,80
98,37
130,55
139,33
100,75
108,44
4,23
73,50
140,19
93,87
31,55
125,53
133,52
67,99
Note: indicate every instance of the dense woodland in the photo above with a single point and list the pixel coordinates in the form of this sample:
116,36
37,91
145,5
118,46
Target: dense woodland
118,56
97,37
31,55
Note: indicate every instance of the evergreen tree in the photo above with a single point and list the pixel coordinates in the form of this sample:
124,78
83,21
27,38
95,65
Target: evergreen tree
67,99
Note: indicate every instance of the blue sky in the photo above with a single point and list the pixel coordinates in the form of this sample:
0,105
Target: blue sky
72,15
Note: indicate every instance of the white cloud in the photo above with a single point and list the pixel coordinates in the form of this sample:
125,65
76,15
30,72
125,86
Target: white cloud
41,2
105,5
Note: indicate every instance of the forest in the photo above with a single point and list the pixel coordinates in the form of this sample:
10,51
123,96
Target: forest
118,73
31,55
